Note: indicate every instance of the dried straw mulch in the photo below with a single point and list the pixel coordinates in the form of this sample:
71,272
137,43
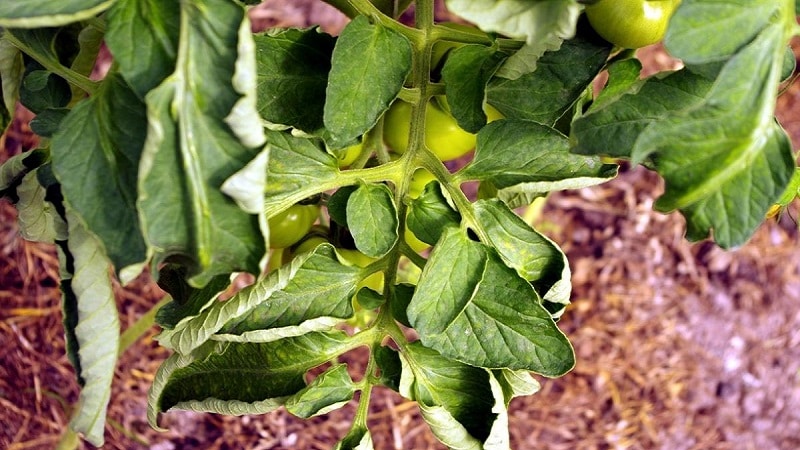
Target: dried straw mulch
680,346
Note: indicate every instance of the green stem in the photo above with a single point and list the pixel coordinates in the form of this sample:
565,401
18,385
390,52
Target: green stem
52,65
141,326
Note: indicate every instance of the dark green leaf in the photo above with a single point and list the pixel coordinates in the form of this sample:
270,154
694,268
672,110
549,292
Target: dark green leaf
203,131
298,168
313,292
101,139
466,73
430,214
370,64
702,31
460,391
42,90
515,152
559,80
358,438
535,257
369,299
46,123
12,69
471,307
143,37
337,204
187,301
46,13
388,360
403,293
375,231
240,378
293,68
329,391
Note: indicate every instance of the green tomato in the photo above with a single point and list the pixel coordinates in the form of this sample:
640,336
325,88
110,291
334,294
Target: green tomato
492,113
288,227
354,257
349,155
631,23
309,244
419,180
443,136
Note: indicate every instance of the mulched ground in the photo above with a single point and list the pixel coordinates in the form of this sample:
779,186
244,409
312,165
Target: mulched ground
680,346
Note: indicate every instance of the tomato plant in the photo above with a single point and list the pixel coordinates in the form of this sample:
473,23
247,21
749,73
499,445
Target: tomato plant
201,130
631,23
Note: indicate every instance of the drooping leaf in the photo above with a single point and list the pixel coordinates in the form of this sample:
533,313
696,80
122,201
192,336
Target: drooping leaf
14,169
313,292
481,312
187,301
103,137
535,257
293,68
89,301
516,383
35,215
329,391
465,74
724,158
298,168
455,399
533,157
375,231
143,37
560,78
369,66
45,13
700,31
193,147
536,21
430,214
12,70
240,378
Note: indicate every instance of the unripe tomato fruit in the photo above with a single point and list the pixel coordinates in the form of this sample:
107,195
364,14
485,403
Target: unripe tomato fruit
356,258
291,225
631,23
349,155
443,136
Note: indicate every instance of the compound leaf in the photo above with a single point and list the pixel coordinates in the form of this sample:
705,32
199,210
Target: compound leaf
199,135
481,312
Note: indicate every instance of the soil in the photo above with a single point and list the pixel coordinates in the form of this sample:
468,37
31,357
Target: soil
680,345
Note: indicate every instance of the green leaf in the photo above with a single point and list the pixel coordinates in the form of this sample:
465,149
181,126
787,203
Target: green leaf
46,13
535,257
89,301
388,361
200,133
187,301
329,391
240,378
724,158
293,68
103,136
403,293
455,398
471,307
375,231
516,383
35,215
359,438
42,90
466,72
560,79
12,69
143,37
369,66
46,123
536,21
430,214
514,152
623,78
298,168
700,31
311,293
14,169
